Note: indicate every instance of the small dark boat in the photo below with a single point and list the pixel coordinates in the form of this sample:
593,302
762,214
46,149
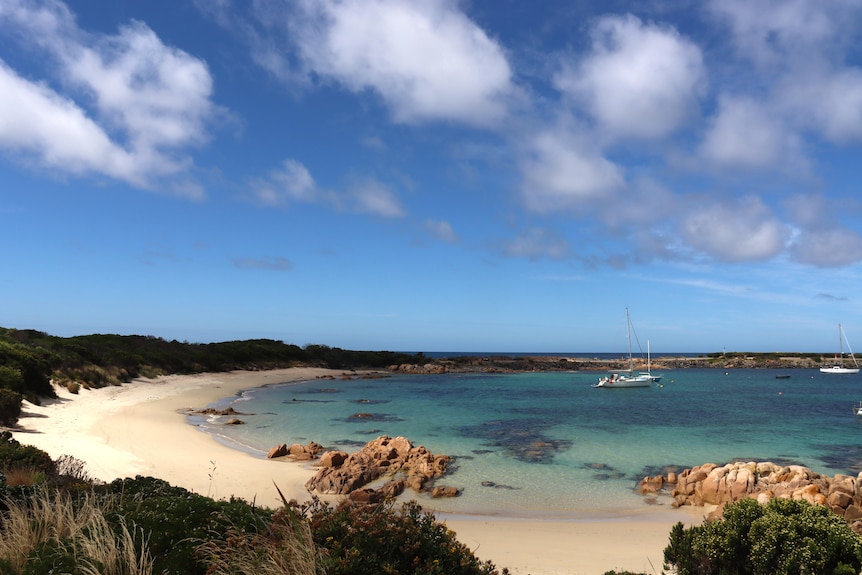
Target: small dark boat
782,376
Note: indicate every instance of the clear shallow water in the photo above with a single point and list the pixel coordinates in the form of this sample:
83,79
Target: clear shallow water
597,443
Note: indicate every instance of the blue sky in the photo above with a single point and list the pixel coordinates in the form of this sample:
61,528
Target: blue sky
436,175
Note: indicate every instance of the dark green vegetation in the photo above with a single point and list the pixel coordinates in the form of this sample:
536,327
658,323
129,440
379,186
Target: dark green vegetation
766,357
784,537
65,523
30,360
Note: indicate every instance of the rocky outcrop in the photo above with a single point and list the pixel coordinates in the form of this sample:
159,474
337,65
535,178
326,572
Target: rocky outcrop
397,458
296,451
712,484
435,367
214,411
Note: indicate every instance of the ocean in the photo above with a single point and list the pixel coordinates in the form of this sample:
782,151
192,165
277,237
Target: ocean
595,444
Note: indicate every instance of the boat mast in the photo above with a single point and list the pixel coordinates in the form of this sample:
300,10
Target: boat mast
841,344
629,326
844,336
648,366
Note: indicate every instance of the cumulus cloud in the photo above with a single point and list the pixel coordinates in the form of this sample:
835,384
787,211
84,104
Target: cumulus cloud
736,231
537,243
293,183
639,80
561,170
442,231
371,196
134,103
744,133
798,50
53,131
828,102
290,182
426,60
766,31
820,239
828,248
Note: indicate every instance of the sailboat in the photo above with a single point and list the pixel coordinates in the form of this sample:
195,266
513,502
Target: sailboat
839,367
653,377
626,377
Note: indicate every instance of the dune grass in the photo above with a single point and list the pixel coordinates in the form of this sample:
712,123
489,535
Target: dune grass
50,530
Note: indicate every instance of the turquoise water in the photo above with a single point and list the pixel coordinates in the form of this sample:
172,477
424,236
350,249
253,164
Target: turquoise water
595,443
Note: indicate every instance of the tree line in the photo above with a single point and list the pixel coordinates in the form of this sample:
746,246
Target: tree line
31,360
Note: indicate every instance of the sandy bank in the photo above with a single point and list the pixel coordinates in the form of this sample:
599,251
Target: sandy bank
139,428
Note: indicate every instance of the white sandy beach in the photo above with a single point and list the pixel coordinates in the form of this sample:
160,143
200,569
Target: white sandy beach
139,429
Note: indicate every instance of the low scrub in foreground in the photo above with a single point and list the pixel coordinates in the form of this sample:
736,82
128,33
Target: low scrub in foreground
70,524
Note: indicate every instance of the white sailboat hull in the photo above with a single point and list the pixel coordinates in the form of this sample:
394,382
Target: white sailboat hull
628,378
621,382
837,369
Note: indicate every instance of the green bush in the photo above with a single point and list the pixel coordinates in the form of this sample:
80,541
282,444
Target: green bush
13,455
10,406
784,537
360,539
176,521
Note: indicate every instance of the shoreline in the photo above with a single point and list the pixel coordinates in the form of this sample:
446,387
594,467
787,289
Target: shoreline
141,428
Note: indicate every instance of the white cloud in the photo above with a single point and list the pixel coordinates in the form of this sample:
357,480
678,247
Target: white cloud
640,80
799,50
828,102
370,196
734,231
821,239
427,60
157,95
766,31
442,231
828,247
51,130
291,182
136,102
746,134
536,243
561,171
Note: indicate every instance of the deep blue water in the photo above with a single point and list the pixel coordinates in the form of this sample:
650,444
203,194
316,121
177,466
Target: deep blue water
593,444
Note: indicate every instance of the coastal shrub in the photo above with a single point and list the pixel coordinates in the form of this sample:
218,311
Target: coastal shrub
33,364
358,539
10,406
24,477
11,378
176,521
13,455
783,537
285,547
72,467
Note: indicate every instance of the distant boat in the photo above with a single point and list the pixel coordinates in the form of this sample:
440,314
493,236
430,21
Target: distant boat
653,377
839,367
782,376
626,377
857,409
